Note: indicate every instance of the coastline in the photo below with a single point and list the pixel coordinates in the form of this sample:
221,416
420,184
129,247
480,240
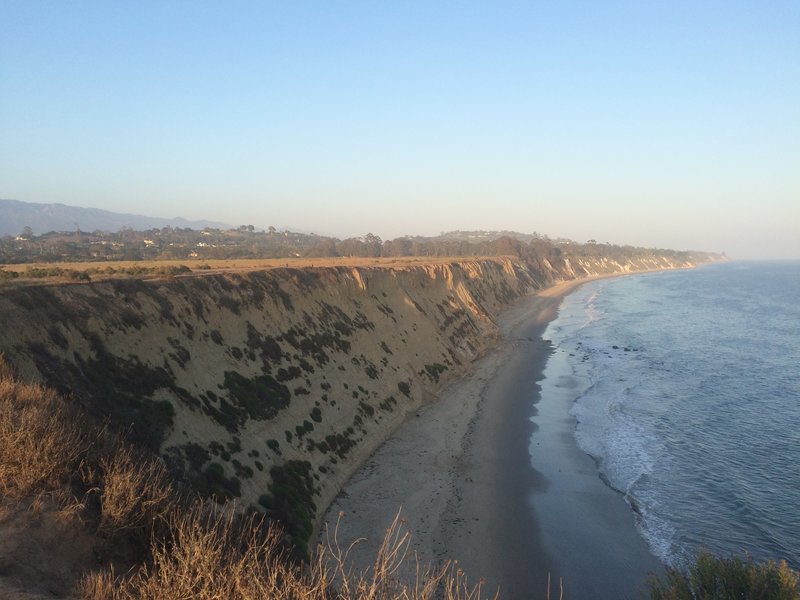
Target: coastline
462,473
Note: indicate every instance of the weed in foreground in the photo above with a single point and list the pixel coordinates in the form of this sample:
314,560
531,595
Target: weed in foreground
213,554
39,446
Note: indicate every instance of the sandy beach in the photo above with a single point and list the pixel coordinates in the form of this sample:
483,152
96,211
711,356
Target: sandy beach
461,471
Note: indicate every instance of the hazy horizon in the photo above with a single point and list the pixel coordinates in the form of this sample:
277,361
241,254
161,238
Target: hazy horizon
673,126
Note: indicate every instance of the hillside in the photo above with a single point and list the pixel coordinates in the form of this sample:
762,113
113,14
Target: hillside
270,387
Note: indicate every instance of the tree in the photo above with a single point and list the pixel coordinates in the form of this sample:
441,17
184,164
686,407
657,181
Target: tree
397,247
323,248
373,245
508,246
351,247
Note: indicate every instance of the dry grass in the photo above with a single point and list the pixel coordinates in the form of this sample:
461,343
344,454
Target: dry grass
49,447
41,442
136,493
213,555
153,269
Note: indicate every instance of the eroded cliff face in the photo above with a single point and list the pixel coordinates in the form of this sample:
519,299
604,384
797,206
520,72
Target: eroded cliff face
270,387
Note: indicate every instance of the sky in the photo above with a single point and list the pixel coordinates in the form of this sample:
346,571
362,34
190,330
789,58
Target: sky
671,124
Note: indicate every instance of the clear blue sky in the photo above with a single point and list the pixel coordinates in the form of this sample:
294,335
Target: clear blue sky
672,124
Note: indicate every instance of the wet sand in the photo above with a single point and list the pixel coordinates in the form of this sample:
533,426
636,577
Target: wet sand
462,472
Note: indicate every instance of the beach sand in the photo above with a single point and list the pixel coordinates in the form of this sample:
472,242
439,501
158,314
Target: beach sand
461,472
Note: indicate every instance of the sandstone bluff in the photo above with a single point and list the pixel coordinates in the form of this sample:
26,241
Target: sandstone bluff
271,387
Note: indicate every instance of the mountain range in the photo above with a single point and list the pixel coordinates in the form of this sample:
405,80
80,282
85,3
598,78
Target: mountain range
42,218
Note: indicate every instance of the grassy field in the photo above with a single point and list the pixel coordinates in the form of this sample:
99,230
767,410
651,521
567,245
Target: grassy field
76,272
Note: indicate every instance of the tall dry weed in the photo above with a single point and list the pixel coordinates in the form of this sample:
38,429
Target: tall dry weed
213,555
209,554
42,441
99,585
396,573
136,492
50,452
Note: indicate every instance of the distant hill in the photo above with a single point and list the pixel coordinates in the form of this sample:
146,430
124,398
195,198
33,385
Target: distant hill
42,218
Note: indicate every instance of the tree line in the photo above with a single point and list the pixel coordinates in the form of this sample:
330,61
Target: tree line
170,243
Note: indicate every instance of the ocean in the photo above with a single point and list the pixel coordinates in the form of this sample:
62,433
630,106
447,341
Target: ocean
688,399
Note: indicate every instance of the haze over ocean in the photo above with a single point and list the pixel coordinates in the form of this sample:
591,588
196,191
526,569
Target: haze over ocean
688,398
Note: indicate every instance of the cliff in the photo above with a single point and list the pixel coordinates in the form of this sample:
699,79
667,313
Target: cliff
271,387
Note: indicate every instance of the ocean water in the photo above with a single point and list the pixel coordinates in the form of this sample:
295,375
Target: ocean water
689,402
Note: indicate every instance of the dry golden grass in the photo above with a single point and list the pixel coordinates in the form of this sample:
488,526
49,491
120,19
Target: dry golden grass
136,493
213,555
48,447
156,269
41,444
248,263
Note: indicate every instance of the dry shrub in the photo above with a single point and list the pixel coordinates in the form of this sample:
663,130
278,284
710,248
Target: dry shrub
98,586
217,556
136,493
41,441
50,452
208,554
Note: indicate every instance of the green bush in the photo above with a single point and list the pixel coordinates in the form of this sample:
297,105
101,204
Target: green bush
214,484
259,398
713,578
174,270
306,427
291,501
434,370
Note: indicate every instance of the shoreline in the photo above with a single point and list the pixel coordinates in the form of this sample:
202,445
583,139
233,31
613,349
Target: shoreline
604,556
462,465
